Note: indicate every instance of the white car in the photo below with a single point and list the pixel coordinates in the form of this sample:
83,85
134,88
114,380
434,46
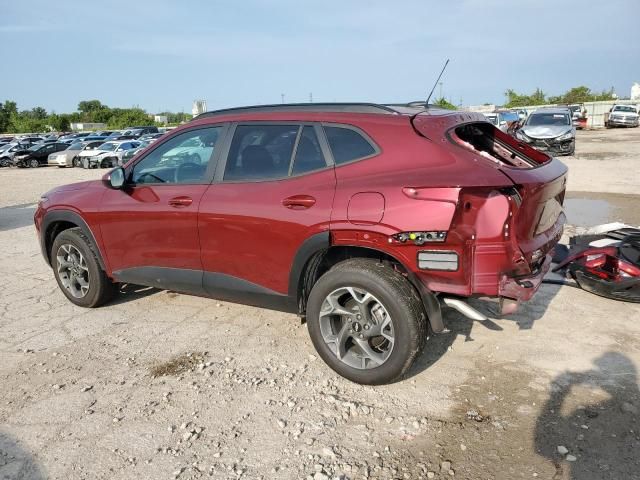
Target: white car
109,154
69,157
623,116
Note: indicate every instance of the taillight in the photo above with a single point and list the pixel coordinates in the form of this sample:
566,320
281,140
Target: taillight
595,261
627,269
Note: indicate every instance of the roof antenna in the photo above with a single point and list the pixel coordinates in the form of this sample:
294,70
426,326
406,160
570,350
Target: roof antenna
426,104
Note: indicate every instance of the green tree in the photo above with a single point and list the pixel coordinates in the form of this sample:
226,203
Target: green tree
38,113
444,103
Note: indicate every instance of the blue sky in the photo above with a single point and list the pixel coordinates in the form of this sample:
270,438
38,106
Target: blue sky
161,55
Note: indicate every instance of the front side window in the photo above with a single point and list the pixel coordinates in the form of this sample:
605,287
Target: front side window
181,159
347,144
260,152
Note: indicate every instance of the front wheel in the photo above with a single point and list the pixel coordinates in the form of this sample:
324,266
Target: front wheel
33,163
366,321
77,270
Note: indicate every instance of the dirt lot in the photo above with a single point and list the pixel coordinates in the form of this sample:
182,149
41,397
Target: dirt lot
158,385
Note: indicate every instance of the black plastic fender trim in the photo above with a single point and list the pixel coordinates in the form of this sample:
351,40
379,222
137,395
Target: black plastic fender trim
71,217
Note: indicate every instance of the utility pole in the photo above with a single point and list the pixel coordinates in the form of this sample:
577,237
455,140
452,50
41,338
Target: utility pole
311,97
282,96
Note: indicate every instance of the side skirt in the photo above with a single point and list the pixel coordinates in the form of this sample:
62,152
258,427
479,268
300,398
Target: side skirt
208,284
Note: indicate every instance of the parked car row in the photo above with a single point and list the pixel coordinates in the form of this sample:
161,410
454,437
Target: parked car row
84,149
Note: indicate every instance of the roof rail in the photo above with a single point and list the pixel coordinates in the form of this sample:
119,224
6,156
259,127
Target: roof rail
305,107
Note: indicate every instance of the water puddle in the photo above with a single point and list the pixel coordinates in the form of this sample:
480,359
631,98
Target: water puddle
586,209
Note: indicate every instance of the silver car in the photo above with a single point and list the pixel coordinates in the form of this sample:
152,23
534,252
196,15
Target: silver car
69,157
550,129
623,116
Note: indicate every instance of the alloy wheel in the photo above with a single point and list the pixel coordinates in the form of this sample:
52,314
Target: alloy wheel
357,328
73,270
34,163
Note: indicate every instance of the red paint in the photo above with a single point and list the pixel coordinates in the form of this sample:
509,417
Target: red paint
253,230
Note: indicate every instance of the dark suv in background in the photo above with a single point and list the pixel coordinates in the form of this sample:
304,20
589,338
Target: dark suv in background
365,219
37,155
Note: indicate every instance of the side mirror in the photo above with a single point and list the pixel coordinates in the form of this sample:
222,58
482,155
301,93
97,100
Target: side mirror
115,178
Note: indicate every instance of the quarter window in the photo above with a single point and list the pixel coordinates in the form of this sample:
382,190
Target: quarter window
347,144
182,159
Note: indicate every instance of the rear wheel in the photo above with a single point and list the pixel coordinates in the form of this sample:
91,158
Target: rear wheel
366,321
76,162
78,271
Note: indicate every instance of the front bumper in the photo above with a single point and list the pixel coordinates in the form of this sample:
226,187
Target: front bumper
59,162
562,147
623,122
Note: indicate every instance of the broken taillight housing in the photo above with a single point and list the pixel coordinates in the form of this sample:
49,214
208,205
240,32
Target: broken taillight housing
420,238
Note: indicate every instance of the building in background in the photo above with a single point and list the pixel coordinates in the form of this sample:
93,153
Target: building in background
635,92
161,119
199,106
77,127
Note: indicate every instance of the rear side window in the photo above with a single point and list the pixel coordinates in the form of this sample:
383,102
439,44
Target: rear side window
347,144
261,152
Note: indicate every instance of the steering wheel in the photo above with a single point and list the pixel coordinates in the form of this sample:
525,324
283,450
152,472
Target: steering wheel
186,168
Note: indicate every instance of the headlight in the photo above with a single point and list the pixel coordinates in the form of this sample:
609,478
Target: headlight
565,136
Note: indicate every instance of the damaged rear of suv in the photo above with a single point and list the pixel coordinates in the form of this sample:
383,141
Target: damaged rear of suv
364,219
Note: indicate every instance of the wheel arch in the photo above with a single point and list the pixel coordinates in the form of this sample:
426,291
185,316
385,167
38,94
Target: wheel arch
316,256
57,221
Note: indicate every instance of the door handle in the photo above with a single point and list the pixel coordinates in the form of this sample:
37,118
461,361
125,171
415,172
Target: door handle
299,202
179,202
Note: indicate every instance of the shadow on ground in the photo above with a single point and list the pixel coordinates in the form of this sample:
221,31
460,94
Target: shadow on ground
16,463
457,324
602,438
129,292
16,216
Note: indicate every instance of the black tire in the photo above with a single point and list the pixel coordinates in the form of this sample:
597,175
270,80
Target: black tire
397,296
101,288
76,162
33,163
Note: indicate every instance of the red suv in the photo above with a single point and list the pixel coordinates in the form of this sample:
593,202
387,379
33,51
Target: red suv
363,218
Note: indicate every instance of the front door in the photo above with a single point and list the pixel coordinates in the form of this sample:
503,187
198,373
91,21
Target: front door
150,228
275,192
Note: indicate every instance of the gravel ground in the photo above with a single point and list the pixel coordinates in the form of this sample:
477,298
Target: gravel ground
158,385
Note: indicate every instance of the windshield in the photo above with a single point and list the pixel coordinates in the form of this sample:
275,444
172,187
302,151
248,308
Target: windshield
624,108
539,119
34,148
492,117
109,147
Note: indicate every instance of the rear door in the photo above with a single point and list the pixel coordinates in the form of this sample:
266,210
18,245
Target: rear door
274,191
